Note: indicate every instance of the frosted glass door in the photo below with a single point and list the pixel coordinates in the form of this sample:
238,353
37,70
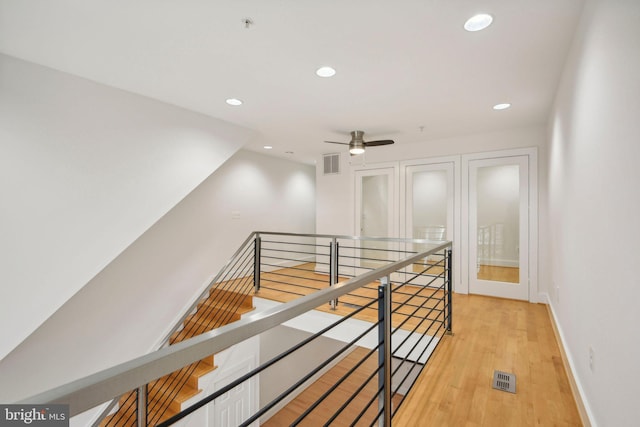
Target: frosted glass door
429,205
498,225
374,213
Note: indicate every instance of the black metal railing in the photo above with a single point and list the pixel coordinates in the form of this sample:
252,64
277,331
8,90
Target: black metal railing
218,305
410,321
400,288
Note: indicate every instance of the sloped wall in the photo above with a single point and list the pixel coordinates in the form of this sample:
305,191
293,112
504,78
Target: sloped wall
85,169
131,304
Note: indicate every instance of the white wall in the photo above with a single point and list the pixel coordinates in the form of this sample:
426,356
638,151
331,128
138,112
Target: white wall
594,204
129,306
84,170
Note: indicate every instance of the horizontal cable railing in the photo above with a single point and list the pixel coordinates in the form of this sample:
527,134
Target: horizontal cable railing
348,274
418,317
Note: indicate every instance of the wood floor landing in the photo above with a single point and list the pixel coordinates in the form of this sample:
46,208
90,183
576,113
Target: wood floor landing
334,400
423,304
454,389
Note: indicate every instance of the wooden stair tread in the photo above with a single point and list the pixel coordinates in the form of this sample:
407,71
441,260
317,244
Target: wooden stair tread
209,321
203,369
215,304
171,390
210,313
226,296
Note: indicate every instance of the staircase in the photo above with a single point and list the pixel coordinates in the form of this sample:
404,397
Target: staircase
166,395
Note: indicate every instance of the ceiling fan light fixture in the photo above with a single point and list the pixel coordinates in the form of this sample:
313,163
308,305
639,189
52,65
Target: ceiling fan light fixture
357,144
478,22
356,147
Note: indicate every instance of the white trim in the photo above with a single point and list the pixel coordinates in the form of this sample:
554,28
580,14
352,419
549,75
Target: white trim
393,197
543,298
533,225
390,170
464,227
456,160
583,403
532,155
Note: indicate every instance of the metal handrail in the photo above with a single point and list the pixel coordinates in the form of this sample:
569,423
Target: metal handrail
180,323
347,237
88,392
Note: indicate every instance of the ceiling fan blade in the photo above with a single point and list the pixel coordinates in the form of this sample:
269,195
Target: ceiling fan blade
334,142
379,142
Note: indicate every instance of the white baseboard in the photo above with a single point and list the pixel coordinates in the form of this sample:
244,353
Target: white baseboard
543,298
586,414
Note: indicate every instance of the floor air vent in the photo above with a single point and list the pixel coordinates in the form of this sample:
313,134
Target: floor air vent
504,381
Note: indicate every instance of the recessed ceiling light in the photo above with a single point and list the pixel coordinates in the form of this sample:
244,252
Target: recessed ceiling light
501,106
478,22
326,72
267,147
234,101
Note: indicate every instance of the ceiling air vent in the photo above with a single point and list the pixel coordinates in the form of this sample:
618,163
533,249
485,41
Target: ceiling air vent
331,164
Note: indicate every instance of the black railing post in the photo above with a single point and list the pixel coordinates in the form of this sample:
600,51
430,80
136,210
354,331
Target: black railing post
449,293
142,406
384,350
257,250
333,269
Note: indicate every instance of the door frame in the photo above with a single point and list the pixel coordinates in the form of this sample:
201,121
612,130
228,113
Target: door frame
230,374
532,155
393,194
455,160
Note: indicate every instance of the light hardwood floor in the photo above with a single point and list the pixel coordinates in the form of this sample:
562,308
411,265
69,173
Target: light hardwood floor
491,334
499,274
321,415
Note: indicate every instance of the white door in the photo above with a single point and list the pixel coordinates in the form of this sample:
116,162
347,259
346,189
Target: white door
236,405
429,202
499,227
375,212
429,209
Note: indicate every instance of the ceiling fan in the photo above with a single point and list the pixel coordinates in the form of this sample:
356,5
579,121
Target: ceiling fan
357,144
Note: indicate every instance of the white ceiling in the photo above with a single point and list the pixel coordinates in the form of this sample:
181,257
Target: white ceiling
400,65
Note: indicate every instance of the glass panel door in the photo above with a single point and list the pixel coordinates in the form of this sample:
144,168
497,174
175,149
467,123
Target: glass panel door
498,226
374,213
429,206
